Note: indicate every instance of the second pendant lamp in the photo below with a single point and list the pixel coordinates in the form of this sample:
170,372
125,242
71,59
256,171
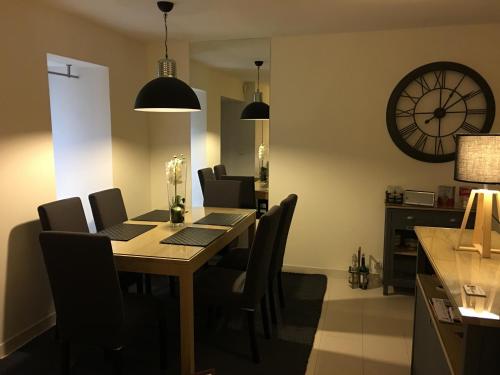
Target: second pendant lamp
166,93
257,110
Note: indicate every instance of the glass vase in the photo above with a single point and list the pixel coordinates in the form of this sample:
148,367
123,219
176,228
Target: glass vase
176,189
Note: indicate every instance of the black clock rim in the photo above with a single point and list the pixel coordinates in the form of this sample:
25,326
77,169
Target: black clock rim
410,77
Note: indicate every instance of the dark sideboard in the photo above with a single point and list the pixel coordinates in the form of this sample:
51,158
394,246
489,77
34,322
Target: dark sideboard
400,240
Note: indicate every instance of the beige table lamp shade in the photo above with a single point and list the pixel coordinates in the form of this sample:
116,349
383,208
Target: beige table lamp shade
478,158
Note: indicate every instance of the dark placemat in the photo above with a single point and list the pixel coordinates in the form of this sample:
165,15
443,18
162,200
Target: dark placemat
125,232
191,236
216,218
155,215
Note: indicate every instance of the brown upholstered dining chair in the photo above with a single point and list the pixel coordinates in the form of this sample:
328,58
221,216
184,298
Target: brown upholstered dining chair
108,209
248,199
220,170
222,194
89,305
205,174
63,215
237,258
244,290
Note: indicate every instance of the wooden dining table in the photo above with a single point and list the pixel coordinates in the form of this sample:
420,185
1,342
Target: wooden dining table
145,254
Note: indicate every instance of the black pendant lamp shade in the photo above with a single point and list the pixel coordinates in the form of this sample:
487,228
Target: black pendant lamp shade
166,93
257,110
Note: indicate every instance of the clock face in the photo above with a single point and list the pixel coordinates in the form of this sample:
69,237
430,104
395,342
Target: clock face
432,104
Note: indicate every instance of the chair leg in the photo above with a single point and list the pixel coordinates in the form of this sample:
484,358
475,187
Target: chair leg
272,303
280,291
163,342
147,281
65,348
116,357
253,336
265,317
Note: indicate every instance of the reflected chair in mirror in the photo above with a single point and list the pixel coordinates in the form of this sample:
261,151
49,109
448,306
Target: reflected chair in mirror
220,170
205,174
63,215
222,194
238,258
108,209
89,305
236,290
247,190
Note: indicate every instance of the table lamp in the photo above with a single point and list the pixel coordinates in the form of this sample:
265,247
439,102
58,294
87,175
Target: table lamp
478,161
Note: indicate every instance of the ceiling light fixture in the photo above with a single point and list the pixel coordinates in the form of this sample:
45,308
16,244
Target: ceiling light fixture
166,93
257,110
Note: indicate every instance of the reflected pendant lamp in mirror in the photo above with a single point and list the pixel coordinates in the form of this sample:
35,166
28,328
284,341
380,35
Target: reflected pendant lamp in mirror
166,93
257,110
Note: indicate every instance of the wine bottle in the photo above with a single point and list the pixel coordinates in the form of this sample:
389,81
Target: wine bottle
363,273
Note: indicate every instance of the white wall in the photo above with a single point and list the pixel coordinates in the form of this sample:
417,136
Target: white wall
169,133
29,30
198,147
81,130
329,141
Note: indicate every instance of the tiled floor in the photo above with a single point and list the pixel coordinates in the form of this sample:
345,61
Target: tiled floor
362,332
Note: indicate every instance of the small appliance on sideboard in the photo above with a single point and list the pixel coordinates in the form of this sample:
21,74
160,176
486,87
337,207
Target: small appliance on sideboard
419,198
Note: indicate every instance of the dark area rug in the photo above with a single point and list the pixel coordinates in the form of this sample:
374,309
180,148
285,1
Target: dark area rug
223,344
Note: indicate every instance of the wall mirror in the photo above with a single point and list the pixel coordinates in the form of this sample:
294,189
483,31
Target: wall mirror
226,72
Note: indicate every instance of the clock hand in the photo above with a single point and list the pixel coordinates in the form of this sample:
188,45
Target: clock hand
429,119
457,101
453,91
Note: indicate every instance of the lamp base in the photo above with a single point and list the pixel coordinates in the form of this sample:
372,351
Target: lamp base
481,237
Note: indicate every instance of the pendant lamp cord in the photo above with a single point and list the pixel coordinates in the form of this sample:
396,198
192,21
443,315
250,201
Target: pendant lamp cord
258,77
166,34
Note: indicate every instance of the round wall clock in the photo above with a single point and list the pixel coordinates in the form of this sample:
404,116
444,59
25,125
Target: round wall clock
432,104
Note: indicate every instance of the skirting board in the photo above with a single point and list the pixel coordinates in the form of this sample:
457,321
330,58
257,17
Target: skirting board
314,270
14,343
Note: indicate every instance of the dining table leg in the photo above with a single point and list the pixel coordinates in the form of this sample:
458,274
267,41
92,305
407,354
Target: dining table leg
187,323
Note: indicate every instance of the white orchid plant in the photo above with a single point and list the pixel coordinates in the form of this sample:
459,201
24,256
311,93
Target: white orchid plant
174,170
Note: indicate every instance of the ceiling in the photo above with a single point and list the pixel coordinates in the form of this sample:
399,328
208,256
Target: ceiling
197,20
231,34
235,56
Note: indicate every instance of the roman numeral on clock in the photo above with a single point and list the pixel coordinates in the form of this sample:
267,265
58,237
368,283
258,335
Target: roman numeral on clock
469,127
420,145
404,112
424,85
440,79
408,130
476,111
471,94
438,147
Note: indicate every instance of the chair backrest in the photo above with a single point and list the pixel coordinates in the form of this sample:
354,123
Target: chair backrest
205,174
108,208
89,305
222,194
288,208
260,257
63,215
248,199
220,170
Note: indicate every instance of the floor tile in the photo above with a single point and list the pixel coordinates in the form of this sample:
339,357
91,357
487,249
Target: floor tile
362,332
340,356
